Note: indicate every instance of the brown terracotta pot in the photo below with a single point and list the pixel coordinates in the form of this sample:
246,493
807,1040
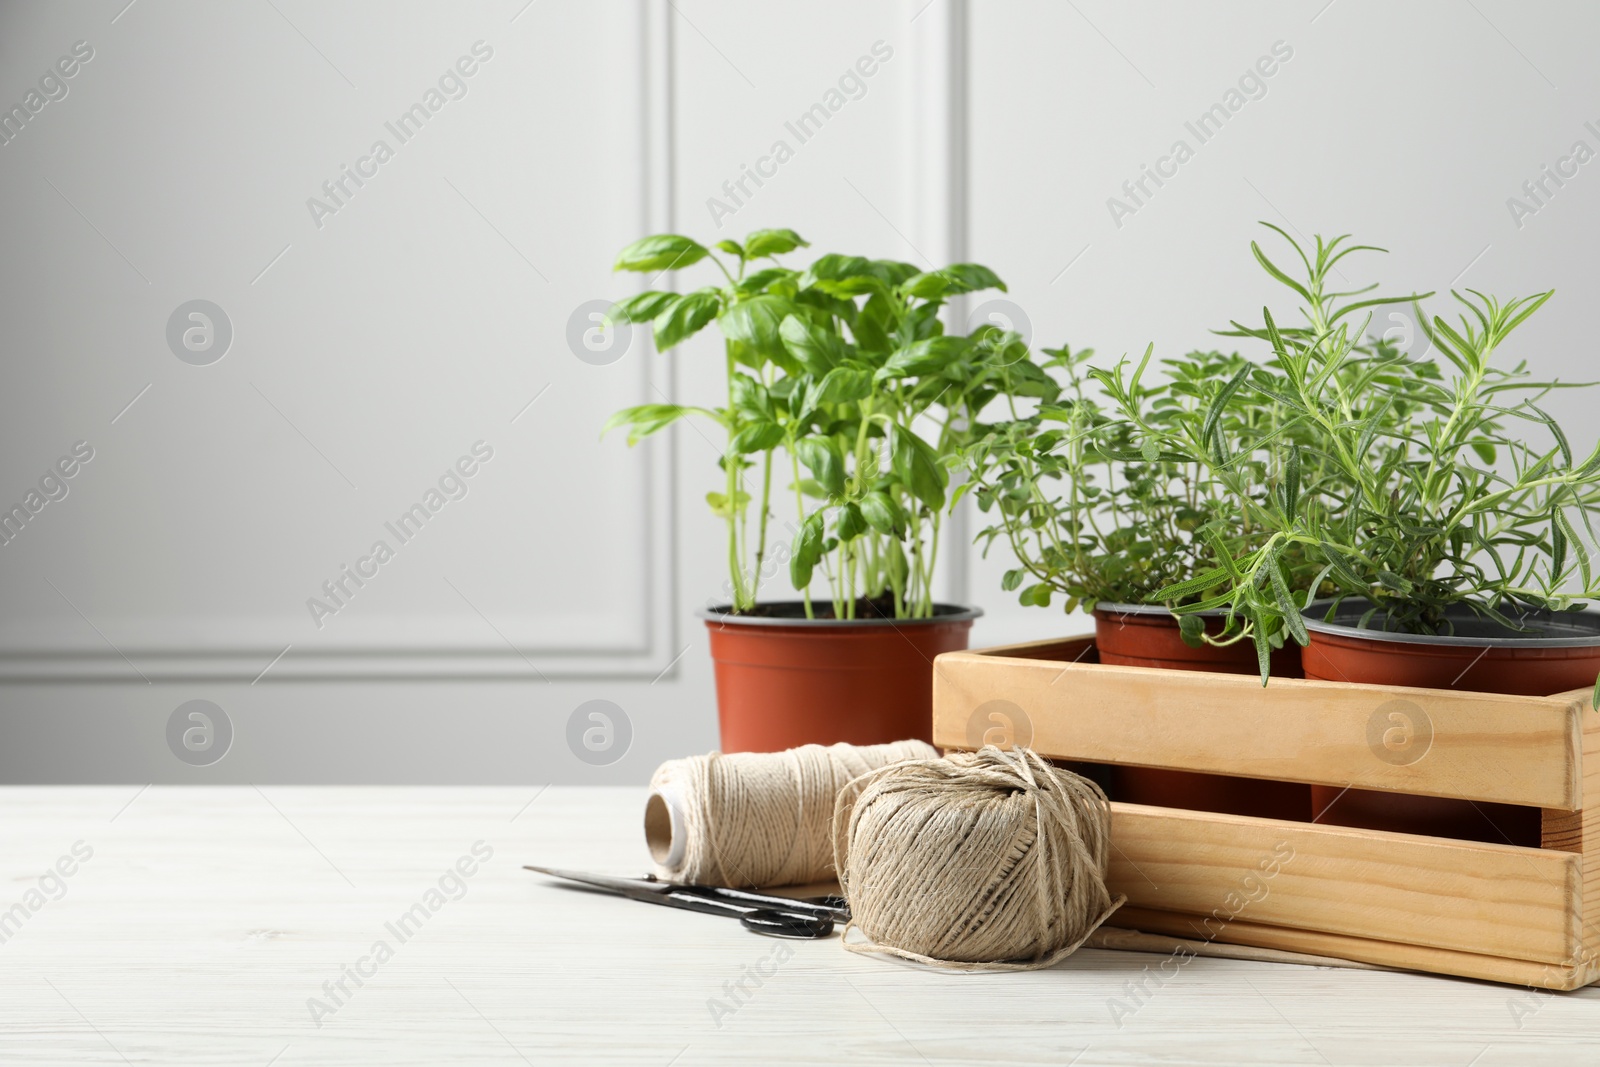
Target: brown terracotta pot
1374,809
1480,657
1135,635
785,680
1139,635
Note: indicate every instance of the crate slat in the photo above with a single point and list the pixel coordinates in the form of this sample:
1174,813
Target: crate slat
1525,916
1587,964
1460,895
1363,950
1485,747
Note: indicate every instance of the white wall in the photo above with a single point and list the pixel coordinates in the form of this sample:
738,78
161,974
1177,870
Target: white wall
372,350
1408,125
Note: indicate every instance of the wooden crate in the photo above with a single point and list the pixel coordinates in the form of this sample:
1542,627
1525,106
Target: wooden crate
1529,916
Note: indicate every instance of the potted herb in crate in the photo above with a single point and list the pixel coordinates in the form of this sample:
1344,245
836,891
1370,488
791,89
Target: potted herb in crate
1096,510
1450,556
1128,494
847,400
1127,499
1230,441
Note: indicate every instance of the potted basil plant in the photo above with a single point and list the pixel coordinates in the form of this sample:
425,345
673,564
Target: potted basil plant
846,399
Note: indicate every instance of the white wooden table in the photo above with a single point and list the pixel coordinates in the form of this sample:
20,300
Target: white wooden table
207,921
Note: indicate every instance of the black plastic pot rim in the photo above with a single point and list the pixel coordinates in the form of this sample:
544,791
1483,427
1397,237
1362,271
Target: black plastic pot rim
943,613
1586,623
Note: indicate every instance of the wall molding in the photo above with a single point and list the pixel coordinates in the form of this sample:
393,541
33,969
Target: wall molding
938,194
475,652
939,94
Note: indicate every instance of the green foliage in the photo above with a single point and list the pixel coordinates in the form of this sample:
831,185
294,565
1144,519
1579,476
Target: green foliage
1093,499
1170,488
842,376
1414,487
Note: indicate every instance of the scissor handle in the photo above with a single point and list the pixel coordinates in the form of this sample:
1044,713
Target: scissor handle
774,923
826,907
740,901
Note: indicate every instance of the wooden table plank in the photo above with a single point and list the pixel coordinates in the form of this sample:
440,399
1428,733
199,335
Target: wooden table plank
206,918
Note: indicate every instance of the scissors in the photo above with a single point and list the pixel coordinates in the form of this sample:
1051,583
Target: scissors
809,918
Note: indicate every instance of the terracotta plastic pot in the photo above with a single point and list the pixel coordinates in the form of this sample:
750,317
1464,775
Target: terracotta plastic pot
785,680
1137,635
1373,809
1142,635
1480,656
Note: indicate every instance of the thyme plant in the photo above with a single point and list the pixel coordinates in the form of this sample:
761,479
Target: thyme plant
1090,503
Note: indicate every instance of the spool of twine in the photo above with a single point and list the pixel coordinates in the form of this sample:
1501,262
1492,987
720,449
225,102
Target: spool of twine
992,860
755,819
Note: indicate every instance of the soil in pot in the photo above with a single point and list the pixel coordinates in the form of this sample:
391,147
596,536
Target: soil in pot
784,680
1142,636
1479,656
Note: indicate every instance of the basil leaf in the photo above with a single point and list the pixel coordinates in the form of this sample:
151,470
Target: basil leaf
918,468
839,275
841,385
851,524
951,280
823,459
817,348
750,397
757,437
773,243
646,419
924,357
665,251
754,323
882,513
641,308
685,316
807,551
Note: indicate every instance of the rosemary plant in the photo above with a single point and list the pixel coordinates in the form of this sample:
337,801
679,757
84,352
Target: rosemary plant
1426,497
1140,491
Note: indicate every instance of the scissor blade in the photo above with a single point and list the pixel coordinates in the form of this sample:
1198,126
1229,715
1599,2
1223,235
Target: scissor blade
637,888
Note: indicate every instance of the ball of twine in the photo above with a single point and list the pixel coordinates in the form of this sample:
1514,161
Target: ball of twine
991,860
752,819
